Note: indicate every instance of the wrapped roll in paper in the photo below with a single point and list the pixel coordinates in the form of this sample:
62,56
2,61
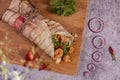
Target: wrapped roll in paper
55,27
38,33
48,35
21,6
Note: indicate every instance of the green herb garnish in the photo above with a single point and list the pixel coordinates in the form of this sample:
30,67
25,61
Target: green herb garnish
65,47
63,7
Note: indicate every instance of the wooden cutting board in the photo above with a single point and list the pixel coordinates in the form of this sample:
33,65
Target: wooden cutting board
16,45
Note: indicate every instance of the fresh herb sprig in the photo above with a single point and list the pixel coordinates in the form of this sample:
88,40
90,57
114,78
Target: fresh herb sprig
63,7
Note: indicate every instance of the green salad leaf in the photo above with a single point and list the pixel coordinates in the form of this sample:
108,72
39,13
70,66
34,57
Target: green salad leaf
63,7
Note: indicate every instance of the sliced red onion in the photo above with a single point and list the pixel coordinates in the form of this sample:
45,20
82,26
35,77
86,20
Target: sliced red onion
100,25
101,44
91,67
97,56
86,74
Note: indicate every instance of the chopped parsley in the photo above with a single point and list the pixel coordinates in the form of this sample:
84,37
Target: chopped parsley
63,7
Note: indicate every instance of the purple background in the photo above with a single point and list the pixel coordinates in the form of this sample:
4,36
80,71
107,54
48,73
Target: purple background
109,12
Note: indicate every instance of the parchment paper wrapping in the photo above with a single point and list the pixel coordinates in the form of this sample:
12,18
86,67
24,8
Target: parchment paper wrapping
22,16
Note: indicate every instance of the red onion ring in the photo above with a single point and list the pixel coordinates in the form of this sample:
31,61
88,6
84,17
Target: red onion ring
101,25
86,74
18,22
91,67
102,44
97,56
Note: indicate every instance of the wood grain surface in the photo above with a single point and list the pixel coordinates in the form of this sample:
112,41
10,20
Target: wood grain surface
16,45
4,4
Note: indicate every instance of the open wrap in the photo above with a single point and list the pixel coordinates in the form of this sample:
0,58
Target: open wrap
36,28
